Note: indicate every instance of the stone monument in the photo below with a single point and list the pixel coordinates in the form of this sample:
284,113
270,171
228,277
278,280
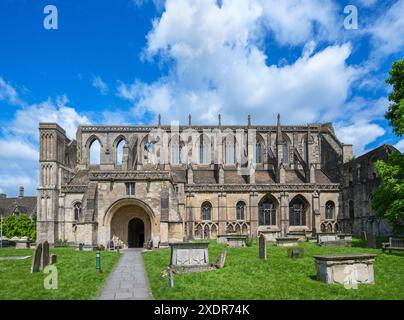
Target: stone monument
345,269
262,247
36,258
45,254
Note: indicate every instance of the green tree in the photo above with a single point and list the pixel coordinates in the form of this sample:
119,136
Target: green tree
19,227
388,199
395,113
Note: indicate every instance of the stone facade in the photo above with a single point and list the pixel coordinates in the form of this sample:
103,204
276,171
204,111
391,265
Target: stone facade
359,183
173,183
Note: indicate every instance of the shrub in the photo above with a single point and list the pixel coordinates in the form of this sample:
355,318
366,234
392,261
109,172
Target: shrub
19,227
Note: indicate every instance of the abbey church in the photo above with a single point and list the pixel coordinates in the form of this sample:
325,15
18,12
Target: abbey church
181,182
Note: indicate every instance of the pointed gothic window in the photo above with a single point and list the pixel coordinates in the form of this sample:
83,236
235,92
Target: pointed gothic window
206,211
119,152
297,212
95,152
240,209
258,152
267,212
77,211
329,210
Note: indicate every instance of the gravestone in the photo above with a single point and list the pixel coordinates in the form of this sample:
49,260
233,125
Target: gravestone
36,258
364,236
45,254
262,247
295,252
221,259
53,258
371,241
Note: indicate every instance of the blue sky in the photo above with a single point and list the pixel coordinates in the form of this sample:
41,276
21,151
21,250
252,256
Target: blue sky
125,61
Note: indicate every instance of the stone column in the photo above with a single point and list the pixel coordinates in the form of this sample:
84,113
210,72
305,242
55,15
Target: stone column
284,203
316,213
222,214
252,136
253,214
190,216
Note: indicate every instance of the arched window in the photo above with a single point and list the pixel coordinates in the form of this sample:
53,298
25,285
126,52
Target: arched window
267,212
285,154
77,211
119,152
203,151
258,152
329,210
230,150
297,212
95,152
240,209
206,211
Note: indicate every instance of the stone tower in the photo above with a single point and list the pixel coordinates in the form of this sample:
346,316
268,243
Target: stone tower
54,160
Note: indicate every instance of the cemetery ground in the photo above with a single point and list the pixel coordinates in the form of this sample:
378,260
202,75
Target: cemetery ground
245,276
77,277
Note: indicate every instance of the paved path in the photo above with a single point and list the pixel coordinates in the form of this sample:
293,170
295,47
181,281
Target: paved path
128,281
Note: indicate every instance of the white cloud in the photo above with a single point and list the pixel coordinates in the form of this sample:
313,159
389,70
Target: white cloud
99,84
19,144
388,31
10,183
8,92
296,22
219,66
15,149
27,119
400,145
360,134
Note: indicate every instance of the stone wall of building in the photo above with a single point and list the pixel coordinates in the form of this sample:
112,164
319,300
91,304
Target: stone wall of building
164,176
359,182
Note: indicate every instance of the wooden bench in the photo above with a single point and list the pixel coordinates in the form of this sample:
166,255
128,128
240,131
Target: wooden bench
393,244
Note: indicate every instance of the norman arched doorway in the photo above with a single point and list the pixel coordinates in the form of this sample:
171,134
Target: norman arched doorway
135,233
130,220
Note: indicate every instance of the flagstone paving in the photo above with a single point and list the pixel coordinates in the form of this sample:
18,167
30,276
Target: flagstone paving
128,281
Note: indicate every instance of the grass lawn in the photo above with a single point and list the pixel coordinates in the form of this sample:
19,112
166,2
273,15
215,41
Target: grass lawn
77,278
245,276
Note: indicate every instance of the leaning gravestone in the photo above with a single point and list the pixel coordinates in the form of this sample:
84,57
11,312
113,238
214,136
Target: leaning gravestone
364,236
45,254
36,258
262,247
221,259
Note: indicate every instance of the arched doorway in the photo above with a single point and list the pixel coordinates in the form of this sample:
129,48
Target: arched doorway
135,233
131,221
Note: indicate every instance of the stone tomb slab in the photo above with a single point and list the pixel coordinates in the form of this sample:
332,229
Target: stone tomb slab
287,242
234,241
190,257
345,268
